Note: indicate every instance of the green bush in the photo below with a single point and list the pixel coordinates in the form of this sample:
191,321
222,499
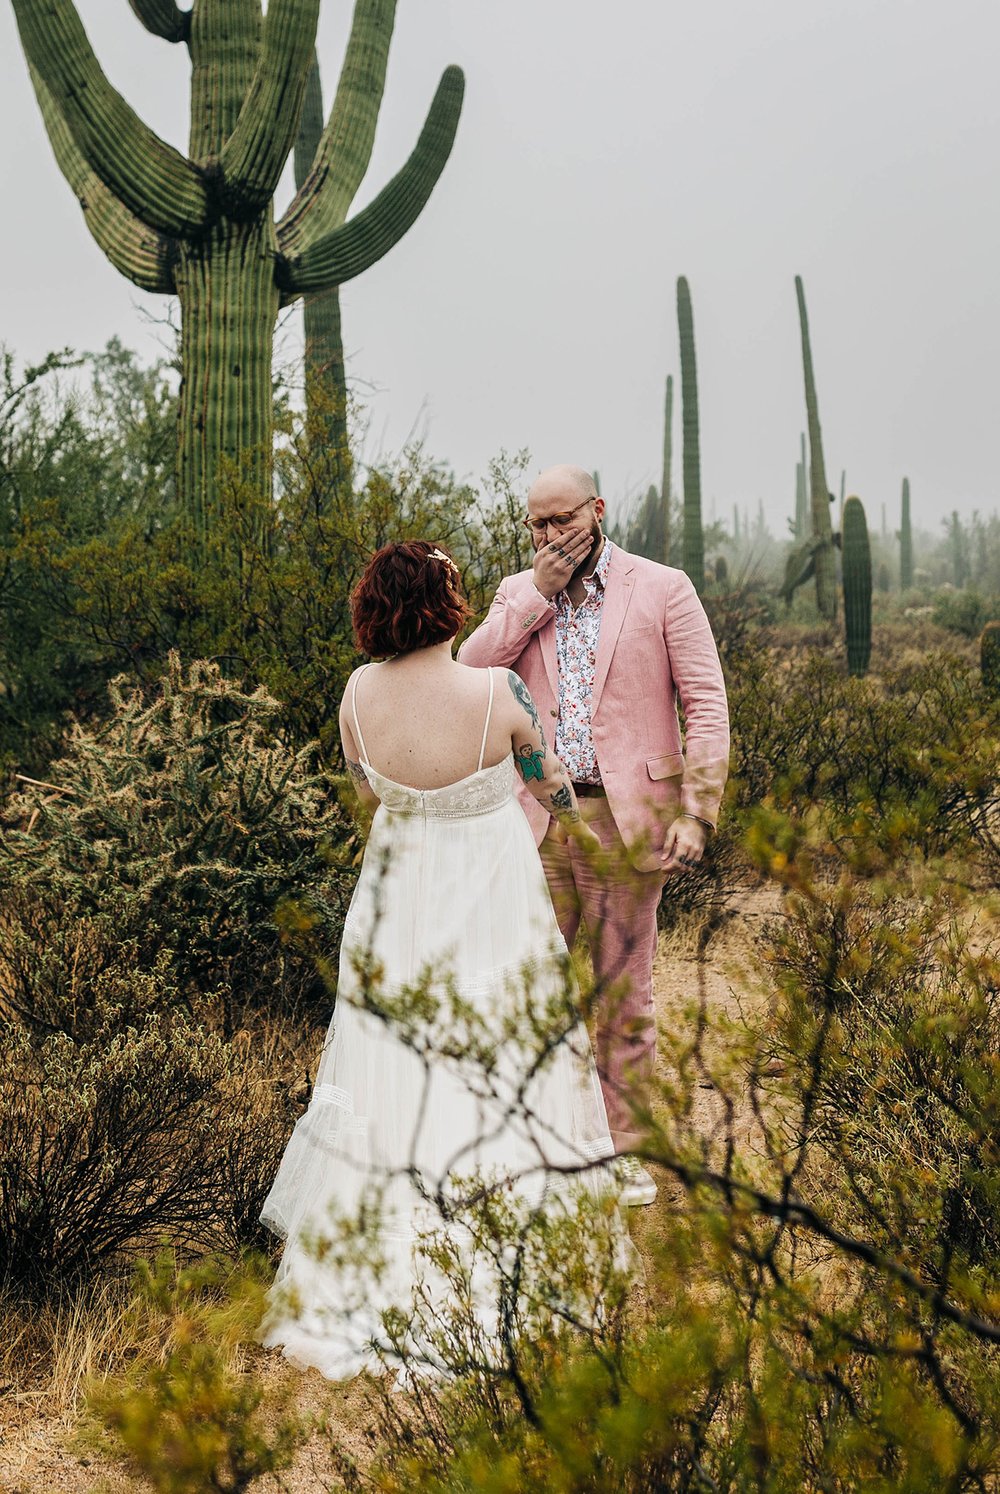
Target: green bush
110,1138
916,750
183,1411
962,612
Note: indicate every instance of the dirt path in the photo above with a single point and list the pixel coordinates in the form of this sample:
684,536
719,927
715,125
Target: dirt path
41,1449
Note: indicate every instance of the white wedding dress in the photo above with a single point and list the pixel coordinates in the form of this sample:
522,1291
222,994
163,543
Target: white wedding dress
439,1067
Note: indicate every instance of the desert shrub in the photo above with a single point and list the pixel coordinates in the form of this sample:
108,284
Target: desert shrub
961,612
107,1139
916,750
78,460
184,1410
125,1116
103,573
906,1104
186,824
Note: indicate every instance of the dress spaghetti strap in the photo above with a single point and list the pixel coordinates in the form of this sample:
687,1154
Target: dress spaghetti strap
357,723
486,724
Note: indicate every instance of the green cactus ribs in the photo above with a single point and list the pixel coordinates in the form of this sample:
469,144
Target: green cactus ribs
824,568
857,587
905,540
693,539
226,344
666,482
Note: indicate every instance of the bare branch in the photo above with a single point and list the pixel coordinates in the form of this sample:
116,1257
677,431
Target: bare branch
352,248
152,180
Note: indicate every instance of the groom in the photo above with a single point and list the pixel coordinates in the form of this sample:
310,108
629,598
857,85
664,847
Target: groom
608,643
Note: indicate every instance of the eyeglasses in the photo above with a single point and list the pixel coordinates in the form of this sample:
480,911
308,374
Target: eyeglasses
558,521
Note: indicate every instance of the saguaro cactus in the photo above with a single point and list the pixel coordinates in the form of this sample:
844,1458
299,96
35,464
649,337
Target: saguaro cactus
326,379
693,551
201,226
989,657
824,568
857,558
667,479
905,540
801,527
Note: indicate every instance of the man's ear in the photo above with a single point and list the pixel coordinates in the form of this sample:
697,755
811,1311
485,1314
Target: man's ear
599,509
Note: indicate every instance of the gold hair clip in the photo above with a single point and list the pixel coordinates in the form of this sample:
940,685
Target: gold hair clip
440,555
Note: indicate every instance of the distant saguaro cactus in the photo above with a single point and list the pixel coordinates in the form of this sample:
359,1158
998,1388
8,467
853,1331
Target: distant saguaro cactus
721,570
824,567
800,528
989,657
667,479
201,226
905,541
857,561
693,549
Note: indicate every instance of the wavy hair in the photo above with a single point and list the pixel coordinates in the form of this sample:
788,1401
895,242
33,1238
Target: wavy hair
409,597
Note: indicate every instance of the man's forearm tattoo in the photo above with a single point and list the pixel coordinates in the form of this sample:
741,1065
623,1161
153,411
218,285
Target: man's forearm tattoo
356,771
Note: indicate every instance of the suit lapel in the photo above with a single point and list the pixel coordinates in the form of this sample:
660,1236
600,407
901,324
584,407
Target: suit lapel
547,643
617,595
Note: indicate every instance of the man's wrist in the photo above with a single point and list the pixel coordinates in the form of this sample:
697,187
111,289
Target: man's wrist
687,815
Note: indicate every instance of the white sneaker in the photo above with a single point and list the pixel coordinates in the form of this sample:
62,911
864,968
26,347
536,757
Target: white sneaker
637,1187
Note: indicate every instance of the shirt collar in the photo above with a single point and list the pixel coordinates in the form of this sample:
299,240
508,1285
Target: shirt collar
597,578
601,568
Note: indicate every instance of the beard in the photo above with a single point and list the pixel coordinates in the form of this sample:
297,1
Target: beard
596,538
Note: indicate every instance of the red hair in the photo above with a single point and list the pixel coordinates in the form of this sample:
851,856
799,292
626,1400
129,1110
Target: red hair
408,598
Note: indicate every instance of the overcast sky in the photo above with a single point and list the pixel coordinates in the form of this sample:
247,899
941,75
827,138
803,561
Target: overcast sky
605,149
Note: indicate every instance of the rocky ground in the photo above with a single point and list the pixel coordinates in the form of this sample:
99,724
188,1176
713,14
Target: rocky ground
46,1449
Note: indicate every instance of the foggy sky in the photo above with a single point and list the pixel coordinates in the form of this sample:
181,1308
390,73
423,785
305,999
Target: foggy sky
604,149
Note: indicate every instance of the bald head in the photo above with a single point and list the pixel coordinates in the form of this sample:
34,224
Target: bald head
563,481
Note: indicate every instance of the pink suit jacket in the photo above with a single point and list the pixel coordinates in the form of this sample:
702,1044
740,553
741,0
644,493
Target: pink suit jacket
655,647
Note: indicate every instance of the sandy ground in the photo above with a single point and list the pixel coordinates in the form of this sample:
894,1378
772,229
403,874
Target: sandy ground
41,1449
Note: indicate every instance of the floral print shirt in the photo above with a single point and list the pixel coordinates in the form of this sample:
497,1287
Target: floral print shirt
577,632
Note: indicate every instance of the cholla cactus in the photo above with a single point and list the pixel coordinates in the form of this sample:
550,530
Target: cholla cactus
694,538
824,568
201,226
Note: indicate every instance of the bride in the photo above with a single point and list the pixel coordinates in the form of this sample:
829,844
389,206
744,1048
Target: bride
456,1085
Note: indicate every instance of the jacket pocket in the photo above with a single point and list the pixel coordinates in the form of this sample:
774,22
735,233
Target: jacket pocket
670,765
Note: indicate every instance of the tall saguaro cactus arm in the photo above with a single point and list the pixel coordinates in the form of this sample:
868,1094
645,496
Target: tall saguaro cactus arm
822,529
328,185
356,245
142,256
666,479
693,546
163,18
149,177
255,153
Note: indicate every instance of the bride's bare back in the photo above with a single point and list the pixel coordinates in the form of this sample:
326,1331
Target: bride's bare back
422,718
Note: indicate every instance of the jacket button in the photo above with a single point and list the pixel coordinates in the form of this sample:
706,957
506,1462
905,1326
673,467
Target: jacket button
553,713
